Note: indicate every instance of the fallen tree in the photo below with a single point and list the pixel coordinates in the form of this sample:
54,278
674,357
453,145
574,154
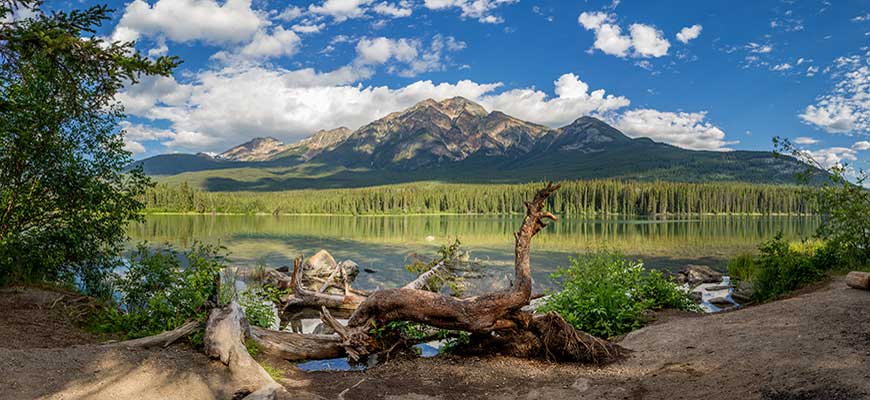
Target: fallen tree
496,321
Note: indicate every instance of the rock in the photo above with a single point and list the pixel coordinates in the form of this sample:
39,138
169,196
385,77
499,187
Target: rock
350,268
695,275
720,301
858,280
322,264
369,270
743,292
323,329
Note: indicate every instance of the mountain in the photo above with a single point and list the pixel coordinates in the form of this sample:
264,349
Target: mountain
258,149
457,140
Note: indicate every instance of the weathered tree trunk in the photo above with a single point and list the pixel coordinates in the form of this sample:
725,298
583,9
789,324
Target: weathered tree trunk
858,280
496,314
224,339
296,346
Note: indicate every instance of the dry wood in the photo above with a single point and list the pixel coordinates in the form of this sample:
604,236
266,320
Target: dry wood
424,278
858,280
302,297
493,315
160,340
296,346
224,338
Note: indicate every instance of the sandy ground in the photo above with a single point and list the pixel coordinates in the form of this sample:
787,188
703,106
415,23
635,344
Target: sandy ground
43,355
814,345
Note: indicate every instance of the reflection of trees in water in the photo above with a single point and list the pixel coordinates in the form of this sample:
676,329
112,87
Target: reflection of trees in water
384,243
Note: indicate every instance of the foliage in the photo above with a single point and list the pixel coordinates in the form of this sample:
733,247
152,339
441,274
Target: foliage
742,267
843,204
252,347
597,197
607,295
781,267
161,289
259,307
65,201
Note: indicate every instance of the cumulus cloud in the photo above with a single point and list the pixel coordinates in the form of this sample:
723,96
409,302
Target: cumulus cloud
781,67
572,101
759,48
862,145
645,40
833,156
222,108
689,33
847,108
410,55
397,10
478,9
135,134
681,129
186,20
805,140
341,10
265,45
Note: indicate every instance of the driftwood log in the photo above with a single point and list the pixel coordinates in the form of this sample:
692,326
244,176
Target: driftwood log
224,339
495,319
858,280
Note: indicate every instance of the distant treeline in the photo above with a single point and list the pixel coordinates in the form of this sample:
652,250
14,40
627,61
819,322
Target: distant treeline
597,197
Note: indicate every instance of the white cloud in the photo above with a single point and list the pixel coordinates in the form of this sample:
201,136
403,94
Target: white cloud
805,140
812,71
686,130
834,156
308,27
689,33
289,14
759,48
186,20
781,67
398,10
341,10
380,50
135,134
862,145
280,42
646,40
225,107
572,101
847,108
479,9
411,56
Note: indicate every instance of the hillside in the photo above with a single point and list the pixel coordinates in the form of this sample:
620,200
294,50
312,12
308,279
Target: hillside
458,141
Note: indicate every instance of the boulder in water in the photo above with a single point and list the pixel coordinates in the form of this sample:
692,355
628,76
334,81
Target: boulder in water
694,275
322,265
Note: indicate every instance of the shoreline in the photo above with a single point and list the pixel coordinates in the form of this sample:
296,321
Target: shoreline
572,216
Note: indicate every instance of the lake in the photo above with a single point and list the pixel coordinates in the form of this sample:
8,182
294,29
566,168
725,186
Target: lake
384,244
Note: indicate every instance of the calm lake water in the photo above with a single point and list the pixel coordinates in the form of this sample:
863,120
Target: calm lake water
385,244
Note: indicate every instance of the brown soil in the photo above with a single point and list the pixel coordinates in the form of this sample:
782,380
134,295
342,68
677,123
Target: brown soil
815,345
44,355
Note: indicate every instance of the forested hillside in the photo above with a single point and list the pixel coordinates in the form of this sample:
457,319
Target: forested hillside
595,197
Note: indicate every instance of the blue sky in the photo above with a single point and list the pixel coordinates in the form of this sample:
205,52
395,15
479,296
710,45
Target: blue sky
715,75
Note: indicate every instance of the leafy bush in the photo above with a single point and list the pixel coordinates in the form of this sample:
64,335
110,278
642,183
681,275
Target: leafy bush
258,305
607,295
781,267
161,289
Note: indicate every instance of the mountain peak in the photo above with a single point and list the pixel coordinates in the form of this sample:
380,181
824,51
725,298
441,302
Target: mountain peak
253,150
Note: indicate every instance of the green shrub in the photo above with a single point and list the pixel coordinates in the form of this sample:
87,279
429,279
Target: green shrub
161,289
742,267
607,295
258,307
781,267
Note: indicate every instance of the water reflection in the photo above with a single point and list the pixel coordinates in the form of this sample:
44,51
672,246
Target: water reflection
384,244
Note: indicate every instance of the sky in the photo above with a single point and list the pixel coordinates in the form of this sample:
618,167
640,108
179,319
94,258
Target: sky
704,75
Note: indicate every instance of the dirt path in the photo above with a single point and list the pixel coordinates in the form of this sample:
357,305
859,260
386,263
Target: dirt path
43,355
812,346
